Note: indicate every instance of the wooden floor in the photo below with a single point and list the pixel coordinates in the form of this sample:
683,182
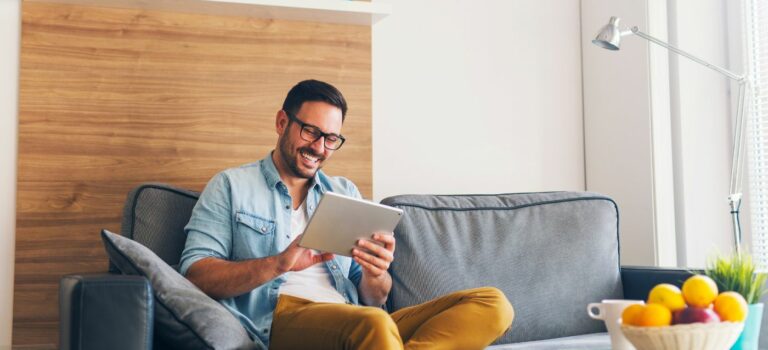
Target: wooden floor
111,98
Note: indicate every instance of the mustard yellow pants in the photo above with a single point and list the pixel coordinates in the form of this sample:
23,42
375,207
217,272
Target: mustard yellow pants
466,320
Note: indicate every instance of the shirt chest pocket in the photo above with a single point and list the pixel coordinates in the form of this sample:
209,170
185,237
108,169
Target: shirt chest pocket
255,236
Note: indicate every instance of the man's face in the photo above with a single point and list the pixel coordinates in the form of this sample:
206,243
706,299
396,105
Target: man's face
304,158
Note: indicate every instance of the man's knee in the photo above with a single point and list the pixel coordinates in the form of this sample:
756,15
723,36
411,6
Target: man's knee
374,318
502,312
374,328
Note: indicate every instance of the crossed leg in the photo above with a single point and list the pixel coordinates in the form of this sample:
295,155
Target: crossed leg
468,319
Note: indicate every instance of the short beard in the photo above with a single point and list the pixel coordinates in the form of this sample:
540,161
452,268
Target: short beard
289,159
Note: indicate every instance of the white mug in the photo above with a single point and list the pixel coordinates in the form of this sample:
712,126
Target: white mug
610,311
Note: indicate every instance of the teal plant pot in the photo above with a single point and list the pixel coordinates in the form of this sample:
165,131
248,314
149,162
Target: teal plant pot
751,334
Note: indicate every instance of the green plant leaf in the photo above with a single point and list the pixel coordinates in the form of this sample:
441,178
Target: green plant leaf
737,273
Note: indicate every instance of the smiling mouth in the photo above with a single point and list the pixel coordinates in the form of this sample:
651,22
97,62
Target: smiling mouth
309,157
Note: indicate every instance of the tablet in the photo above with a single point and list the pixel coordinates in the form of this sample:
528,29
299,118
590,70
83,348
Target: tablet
339,221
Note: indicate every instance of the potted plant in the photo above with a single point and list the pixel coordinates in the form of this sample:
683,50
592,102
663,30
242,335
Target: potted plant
737,273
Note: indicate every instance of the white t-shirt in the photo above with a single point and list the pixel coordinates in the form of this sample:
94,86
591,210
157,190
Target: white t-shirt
315,282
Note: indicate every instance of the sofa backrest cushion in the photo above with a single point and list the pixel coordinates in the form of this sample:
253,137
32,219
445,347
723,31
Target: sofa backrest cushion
154,215
551,254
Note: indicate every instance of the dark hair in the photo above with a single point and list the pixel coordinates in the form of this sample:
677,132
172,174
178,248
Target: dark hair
314,90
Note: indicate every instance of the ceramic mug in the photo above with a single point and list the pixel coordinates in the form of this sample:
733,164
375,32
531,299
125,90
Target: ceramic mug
610,311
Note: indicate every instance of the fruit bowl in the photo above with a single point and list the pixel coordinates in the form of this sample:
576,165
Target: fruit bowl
693,336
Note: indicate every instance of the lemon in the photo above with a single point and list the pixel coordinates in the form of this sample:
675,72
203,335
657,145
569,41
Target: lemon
731,306
668,295
631,313
654,315
699,291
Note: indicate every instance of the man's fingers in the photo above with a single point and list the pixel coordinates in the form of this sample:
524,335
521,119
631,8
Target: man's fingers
371,259
384,237
380,251
387,238
375,271
371,247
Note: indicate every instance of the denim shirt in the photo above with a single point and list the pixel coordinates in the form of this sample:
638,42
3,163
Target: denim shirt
245,213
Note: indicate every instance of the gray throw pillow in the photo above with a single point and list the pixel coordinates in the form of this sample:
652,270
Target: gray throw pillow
185,317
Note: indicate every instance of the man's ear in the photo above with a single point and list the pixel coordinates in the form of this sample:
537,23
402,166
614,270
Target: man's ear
281,122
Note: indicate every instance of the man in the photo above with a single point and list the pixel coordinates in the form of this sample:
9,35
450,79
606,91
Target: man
242,248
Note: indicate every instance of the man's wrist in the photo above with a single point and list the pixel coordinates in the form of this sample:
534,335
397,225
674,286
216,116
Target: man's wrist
279,264
382,277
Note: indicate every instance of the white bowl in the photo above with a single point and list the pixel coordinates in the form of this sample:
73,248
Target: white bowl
694,336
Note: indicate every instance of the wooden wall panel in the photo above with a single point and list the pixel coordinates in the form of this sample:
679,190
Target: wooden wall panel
111,98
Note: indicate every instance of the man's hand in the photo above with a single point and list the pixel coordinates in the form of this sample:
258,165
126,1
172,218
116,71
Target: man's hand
375,259
295,258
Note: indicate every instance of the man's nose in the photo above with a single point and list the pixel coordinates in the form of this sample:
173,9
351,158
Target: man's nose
319,145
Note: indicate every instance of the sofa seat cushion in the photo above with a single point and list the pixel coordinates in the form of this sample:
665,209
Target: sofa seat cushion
595,341
550,253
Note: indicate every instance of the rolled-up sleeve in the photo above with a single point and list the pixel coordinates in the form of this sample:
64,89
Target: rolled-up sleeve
209,231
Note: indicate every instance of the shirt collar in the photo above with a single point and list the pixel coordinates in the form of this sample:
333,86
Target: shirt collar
269,170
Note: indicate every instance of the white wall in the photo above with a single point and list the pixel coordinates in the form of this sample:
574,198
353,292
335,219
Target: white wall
477,97
618,122
10,30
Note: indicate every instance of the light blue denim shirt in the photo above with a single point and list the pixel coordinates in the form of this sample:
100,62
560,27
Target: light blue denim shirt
245,213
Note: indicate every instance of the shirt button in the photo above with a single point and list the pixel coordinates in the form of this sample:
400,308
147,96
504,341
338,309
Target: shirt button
333,267
287,207
263,229
266,330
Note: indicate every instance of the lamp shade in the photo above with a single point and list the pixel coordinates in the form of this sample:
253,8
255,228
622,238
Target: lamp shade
609,36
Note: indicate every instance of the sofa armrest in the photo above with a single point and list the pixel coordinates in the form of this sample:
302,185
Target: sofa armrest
638,280
105,311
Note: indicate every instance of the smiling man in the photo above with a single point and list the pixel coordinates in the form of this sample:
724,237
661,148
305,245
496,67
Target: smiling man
242,249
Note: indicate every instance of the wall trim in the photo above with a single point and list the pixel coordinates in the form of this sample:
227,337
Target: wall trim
10,41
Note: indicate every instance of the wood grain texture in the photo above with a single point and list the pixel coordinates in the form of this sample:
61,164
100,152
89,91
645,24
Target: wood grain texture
110,98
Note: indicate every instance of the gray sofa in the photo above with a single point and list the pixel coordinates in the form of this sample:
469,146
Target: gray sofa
551,253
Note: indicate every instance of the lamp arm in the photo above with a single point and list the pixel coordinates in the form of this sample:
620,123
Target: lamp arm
735,196
736,159
718,69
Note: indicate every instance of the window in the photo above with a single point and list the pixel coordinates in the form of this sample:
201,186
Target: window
757,60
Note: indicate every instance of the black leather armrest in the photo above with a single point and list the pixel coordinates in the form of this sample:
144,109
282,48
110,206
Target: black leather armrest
105,311
638,280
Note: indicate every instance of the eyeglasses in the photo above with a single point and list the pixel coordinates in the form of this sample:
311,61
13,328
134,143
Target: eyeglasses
312,133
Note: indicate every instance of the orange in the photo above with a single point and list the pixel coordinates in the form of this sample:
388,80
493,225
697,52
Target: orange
631,313
699,291
654,315
668,295
731,306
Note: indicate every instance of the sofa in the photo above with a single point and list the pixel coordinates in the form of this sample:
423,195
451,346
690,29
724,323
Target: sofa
551,253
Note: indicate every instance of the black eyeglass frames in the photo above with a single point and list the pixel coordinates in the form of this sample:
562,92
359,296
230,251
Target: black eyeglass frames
312,133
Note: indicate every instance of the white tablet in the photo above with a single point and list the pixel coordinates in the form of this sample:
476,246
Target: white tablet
339,221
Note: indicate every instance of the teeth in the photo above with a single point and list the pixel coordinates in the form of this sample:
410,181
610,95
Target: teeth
308,157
